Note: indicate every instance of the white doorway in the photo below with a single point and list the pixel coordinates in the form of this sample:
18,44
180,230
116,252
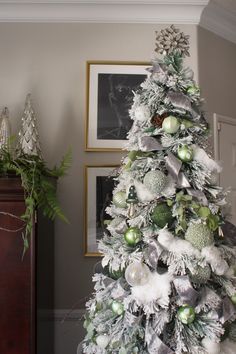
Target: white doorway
225,151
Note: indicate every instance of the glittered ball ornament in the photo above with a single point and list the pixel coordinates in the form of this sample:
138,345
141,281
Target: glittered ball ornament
201,275
155,181
132,236
119,199
102,340
142,113
199,236
162,215
137,273
117,308
186,314
170,125
185,153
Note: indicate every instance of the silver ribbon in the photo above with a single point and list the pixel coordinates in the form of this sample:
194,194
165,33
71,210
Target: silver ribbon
186,292
226,310
149,143
153,253
155,344
180,100
173,166
199,195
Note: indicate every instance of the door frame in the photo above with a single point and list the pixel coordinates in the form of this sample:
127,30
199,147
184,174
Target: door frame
217,120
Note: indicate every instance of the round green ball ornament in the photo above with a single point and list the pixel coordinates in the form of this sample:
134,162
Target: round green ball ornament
186,314
162,215
185,153
199,236
201,275
155,181
117,308
233,299
119,199
132,236
170,125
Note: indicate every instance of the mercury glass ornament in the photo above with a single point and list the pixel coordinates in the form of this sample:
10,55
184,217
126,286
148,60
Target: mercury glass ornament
185,153
131,201
155,181
119,199
102,340
186,314
170,125
5,129
137,273
199,235
117,307
132,236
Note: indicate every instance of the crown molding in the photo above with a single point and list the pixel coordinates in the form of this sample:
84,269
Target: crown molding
222,22
103,11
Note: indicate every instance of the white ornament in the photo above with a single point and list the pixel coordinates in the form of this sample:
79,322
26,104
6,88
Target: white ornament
158,289
102,340
137,273
170,125
211,346
142,113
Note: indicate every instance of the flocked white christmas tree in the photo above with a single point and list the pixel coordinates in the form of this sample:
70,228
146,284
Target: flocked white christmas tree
168,281
28,140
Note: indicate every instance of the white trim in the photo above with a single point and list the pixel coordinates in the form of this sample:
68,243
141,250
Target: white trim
103,11
222,22
62,315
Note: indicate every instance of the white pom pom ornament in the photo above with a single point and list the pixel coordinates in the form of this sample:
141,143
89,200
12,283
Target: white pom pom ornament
142,113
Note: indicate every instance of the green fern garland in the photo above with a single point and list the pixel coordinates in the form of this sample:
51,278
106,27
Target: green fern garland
38,184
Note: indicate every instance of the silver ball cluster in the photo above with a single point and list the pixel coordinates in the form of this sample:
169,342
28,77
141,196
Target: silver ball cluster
171,41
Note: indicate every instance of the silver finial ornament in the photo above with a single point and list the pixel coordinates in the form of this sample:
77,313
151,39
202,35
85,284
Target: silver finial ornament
28,138
5,129
171,41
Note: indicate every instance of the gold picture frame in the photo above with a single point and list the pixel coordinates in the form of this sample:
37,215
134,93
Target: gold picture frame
109,95
97,186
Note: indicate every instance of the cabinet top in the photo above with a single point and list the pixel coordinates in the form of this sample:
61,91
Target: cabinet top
11,188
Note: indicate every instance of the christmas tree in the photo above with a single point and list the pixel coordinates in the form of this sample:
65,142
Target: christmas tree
168,279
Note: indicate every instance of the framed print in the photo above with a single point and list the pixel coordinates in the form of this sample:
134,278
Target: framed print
99,185
110,87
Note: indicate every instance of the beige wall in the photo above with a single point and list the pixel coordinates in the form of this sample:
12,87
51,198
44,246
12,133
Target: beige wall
217,73
48,60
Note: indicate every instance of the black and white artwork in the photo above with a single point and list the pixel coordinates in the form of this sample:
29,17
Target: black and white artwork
110,96
115,97
99,187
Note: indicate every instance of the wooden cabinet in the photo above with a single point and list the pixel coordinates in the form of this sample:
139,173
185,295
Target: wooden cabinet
17,274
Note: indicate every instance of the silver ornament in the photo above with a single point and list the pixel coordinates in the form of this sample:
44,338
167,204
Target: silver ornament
137,273
171,41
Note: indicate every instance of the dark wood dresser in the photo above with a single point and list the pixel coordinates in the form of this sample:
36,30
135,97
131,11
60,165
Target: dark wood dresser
17,274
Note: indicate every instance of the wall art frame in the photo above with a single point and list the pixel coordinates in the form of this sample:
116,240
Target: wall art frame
109,91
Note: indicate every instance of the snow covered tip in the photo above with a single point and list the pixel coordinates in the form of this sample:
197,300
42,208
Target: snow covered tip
171,41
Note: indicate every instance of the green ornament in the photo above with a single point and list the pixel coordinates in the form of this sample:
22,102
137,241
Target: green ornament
162,215
155,181
186,314
116,274
132,236
187,123
193,90
185,153
233,299
201,275
170,125
199,236
119,199
132,155
117,308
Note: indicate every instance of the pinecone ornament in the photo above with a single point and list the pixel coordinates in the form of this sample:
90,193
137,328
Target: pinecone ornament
171,41
5,129
157,120
28,143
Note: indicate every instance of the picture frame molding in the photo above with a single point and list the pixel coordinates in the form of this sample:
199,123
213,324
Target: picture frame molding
102,62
